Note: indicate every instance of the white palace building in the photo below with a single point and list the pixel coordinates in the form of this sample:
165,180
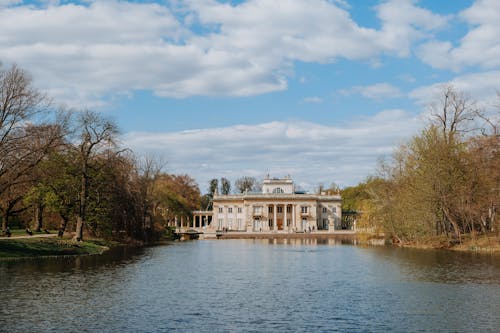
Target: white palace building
278,208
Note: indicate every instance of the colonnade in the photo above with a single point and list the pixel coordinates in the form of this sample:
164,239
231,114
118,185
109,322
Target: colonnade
201,219
287,215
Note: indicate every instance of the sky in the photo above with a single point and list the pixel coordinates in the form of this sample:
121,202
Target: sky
319,90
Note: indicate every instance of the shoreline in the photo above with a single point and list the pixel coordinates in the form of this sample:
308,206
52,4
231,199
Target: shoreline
16,248
483,244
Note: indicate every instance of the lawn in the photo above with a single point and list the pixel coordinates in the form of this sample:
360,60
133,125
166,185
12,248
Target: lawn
35,247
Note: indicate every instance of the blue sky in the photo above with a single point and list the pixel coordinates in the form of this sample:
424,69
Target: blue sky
316,89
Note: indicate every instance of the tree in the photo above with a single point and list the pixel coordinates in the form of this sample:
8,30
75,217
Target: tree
212,187
225,186
453,113
444,180
95,134
245,184
59,185
206,201
23,144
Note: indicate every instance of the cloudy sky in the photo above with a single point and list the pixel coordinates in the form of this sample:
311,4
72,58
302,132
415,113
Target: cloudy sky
316,89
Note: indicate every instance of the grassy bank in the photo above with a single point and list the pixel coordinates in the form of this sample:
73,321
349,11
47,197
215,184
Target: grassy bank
36,247
479,244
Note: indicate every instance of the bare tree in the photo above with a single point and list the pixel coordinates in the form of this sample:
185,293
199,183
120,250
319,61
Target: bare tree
23,144
95,134
454,112
245,184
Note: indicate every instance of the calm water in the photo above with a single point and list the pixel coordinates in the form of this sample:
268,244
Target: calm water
256,286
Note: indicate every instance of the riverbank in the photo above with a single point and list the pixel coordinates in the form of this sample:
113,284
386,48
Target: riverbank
479,244
21,247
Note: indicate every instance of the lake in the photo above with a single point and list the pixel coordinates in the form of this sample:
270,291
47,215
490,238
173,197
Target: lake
299,285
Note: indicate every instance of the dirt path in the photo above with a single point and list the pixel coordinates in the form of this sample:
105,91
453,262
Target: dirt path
28,236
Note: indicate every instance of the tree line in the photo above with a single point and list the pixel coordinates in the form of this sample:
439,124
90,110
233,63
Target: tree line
65,169
443,182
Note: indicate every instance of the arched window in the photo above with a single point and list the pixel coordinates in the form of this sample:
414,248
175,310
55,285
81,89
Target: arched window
278,190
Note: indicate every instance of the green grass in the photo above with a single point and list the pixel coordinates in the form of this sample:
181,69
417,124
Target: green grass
22,232
35,247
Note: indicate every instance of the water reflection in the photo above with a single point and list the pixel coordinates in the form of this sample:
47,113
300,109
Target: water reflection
309,241
277,285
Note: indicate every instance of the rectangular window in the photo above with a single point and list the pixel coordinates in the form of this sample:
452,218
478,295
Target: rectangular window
257,210
288,209
324,209
334,209
288,222
280,209
239,223
220,209
270,209
220,224
230,210
239,210
270,223
303,210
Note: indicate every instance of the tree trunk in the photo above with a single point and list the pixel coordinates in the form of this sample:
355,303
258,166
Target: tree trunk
5,221
79,229
80,220
454,224
63,225
38,218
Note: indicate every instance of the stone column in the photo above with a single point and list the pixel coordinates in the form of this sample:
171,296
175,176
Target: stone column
285,222
275,224
293,217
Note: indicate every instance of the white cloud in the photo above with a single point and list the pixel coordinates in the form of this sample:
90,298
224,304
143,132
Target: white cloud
481,86
6,3
376,91
81,53
310,152
313,100
404,23
479,47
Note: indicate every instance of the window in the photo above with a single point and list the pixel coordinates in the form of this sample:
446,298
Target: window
239,209
280,209
257,210
220,209
230,210
238,221
324,210
334,209
270,223
303,209
270,209
278,190
220,224
288,209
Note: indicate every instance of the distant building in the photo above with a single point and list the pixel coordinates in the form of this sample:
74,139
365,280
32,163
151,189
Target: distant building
278,208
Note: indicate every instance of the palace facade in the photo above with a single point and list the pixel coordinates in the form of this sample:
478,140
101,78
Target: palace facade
277,208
